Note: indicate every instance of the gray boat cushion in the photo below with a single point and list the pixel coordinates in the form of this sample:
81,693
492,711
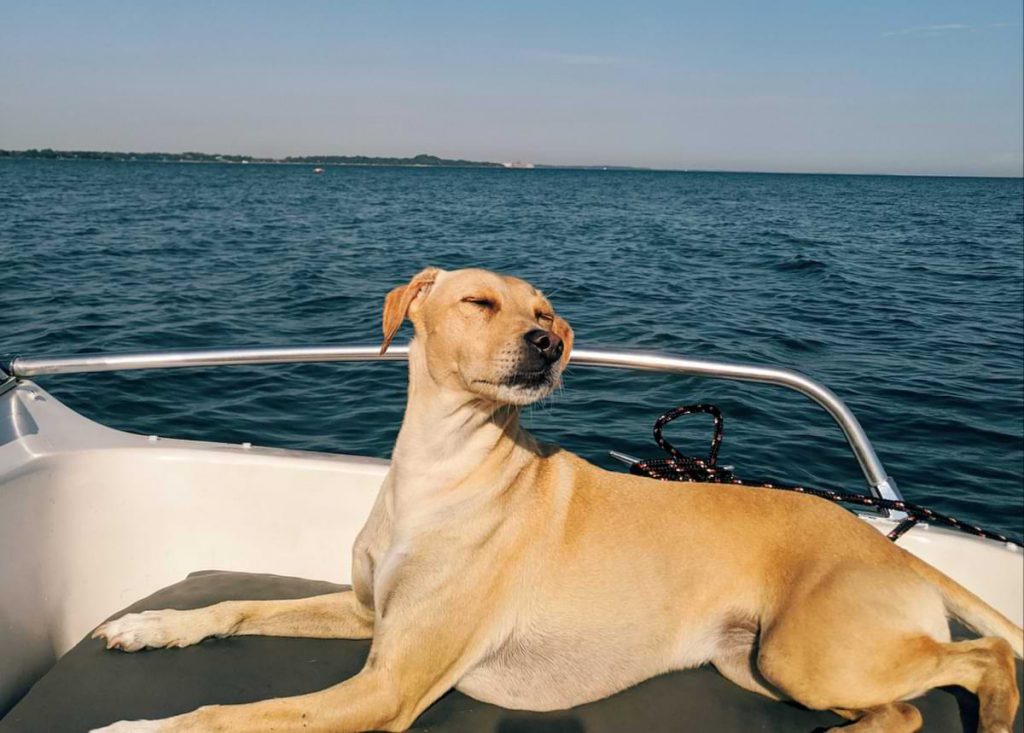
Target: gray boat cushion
90,687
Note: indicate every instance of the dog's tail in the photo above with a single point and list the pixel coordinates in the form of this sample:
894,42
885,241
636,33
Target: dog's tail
971,609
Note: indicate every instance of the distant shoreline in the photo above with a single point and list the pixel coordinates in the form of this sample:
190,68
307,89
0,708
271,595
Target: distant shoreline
195,157
418,161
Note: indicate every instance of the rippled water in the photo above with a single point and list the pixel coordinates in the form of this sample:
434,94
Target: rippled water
904,295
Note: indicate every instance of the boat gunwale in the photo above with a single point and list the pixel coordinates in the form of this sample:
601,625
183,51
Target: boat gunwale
880,484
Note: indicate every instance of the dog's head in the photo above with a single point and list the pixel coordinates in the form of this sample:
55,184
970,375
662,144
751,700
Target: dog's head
491,335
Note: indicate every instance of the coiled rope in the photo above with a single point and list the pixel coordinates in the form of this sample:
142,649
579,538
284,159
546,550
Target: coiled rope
678,467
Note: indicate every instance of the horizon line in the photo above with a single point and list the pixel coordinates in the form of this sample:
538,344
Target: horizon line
237,158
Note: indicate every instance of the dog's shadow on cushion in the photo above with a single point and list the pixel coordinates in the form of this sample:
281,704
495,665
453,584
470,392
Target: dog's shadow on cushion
531,724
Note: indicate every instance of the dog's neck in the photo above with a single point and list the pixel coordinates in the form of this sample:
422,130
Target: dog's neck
449,435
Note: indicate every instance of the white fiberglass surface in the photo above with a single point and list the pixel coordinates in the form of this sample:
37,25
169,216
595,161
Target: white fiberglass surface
83,534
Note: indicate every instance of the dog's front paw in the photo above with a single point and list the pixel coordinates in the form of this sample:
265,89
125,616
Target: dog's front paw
132,726
168,628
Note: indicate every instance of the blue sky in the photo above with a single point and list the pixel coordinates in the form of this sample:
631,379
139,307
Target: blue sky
922,86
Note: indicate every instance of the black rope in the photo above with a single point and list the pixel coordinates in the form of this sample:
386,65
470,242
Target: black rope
678,467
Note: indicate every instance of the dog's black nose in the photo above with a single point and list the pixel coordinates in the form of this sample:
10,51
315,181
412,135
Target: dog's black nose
549,344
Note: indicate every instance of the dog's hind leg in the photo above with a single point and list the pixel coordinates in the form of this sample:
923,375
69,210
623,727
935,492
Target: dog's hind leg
330,616
869,684
983,666
863,641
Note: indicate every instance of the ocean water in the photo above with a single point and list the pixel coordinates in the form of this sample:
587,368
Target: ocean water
904,295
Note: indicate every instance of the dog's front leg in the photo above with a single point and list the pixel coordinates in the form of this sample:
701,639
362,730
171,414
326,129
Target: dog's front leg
419,652
331,616
368,701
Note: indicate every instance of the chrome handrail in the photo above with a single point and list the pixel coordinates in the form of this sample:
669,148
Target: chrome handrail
879,482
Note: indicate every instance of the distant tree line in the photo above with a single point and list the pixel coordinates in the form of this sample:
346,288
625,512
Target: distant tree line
192,157
50,154
368,160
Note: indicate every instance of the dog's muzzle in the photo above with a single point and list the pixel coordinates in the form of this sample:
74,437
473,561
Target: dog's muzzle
541,351
545,345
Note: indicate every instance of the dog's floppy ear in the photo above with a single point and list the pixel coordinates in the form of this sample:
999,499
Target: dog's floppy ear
563,330
396,304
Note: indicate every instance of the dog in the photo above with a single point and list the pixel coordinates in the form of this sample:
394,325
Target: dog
526,577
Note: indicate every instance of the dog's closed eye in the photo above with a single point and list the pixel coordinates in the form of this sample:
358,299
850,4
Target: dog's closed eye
482,302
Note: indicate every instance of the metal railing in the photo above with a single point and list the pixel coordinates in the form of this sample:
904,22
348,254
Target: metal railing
879,482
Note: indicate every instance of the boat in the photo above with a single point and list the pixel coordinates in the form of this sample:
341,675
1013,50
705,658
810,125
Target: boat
93,519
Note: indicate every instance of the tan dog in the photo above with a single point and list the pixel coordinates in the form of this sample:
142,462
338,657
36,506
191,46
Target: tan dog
528,578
